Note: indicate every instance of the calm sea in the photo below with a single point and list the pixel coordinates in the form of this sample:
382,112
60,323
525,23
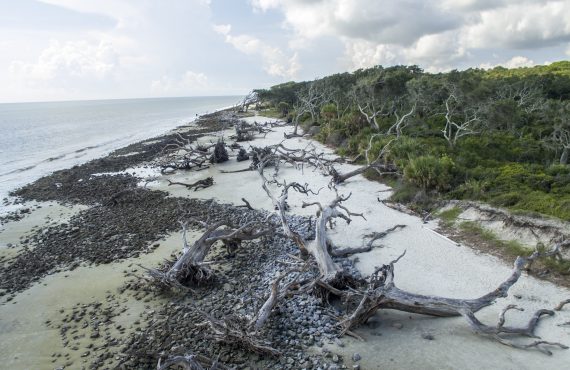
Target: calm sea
39,138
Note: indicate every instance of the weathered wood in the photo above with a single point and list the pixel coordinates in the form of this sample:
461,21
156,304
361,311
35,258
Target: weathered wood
200,184
382,293
189,268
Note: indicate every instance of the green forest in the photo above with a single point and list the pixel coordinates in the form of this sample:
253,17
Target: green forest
500,136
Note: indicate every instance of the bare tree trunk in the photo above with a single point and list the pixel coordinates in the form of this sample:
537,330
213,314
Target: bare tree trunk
564,156
189,268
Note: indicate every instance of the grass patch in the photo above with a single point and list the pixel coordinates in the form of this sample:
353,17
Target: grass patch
271,113
449,216
511,247
561,267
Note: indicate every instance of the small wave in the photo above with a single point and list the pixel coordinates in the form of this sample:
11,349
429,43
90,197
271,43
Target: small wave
51,159
87,148
18,170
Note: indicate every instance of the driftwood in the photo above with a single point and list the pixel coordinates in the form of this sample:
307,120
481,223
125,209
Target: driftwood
181,155
220,153
247,132
190,268
246,204
247,330
319,247
382,292
200,184
561,305
345,252
377,165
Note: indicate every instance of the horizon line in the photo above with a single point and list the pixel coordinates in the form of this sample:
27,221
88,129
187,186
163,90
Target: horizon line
112,99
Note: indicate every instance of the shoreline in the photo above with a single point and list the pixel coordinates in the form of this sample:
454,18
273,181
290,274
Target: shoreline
51,159
430,267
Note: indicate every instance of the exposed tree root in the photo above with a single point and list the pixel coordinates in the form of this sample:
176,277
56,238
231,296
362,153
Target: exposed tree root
190,268
345,252
200,184
383,293
561,305
497,332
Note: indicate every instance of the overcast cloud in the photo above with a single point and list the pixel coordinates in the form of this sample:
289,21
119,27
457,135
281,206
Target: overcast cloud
83,49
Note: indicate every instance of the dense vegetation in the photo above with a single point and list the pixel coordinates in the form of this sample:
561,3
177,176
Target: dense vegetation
501,136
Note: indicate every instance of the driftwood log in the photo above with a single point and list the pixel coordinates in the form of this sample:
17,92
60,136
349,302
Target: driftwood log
200,184
190,268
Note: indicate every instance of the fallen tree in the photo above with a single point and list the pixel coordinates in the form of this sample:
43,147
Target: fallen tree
200,184
190,267
378,165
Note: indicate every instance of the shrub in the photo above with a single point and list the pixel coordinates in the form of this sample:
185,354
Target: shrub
429,172
328,111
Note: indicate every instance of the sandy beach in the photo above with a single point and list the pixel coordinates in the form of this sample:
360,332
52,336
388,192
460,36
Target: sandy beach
73,296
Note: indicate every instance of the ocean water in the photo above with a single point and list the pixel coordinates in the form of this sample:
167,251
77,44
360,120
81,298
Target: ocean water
39,138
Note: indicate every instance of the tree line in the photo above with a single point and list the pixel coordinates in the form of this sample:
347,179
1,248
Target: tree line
500,135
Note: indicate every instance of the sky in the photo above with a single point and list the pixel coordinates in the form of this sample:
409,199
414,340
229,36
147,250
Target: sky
107,49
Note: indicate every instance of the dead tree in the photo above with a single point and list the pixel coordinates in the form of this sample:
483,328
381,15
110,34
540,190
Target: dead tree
308,101
561,136
220,153
377,165
247,330
382,293
370,104
330,272
344,252
380,290
320,248
181,155
527,96
190,267
462,117
246,131
249,99
401,121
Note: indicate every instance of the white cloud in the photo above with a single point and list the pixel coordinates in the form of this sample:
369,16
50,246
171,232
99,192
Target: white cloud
190,82
521,26
435,34
274,60
514,62
61,62
519,61
388,22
